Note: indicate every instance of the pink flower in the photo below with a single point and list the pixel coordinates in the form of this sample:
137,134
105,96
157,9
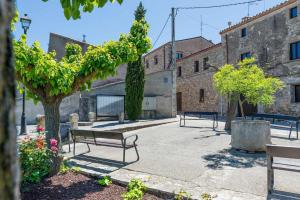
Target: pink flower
54,149
53,143
40,128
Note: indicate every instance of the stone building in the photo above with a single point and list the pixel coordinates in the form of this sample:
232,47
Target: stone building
195,91
159,59
273,38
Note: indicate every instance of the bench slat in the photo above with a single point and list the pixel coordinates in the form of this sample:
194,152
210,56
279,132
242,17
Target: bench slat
283,151
98,134
286,167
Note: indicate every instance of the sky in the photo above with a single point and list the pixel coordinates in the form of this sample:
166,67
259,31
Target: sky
108,23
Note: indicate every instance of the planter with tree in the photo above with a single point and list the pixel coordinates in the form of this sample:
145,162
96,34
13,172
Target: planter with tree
247,80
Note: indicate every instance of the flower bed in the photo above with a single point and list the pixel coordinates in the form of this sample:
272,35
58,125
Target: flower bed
71,185
36,159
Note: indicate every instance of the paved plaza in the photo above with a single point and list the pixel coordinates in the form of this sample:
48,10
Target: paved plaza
193,158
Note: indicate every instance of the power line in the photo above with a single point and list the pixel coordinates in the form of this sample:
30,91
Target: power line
162,30
218,6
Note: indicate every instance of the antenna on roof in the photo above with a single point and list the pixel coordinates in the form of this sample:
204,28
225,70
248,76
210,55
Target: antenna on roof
84,36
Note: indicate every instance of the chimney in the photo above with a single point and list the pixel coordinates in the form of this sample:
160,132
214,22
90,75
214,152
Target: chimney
83,40
229,23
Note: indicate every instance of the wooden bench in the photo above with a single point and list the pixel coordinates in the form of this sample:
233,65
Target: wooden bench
280,152
90,137
290,119
199,115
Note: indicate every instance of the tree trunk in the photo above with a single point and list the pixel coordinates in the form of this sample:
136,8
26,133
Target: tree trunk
52,122
231,112
9,168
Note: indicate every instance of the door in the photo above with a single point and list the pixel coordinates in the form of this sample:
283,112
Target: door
179,101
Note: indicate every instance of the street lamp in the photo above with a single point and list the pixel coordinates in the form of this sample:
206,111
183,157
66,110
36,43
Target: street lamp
25,21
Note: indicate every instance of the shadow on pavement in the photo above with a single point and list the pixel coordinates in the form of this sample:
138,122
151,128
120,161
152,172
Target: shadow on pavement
97,164
281,195
235,159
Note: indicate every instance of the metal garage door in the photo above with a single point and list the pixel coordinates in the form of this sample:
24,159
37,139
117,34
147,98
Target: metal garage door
110,105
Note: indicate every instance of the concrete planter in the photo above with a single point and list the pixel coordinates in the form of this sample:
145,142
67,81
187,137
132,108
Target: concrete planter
250,135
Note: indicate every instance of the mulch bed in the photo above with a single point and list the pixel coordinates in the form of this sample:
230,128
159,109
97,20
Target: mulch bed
74,186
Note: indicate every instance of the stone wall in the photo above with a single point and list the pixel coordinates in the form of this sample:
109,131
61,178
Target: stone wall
268,39
190,82
69,105
163,53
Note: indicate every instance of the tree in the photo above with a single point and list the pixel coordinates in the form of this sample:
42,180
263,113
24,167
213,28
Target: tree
135,79
9,169
247,80
49,81
9,179
72,7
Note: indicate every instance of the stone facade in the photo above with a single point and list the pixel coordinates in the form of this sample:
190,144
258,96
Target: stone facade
268,38
159,59
193,79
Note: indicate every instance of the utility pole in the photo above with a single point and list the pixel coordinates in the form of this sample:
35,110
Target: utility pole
201,26
173,64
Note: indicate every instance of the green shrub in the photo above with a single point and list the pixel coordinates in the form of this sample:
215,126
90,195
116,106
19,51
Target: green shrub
35,158
105,181
135,190
206,196
183,195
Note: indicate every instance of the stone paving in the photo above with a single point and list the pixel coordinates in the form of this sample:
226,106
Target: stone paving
193,158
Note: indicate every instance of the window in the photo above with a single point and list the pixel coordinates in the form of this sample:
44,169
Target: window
293,12
179,71
245,55
297,93
179,55
205,63
147,64
295,51
196,66
244,32
201,97
155,60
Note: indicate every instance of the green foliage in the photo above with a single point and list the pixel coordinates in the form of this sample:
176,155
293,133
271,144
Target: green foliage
72,7
44,77
14,20
105,181
140,12
64,168
135,190
135,79
247,80
182,195
206,196
35,159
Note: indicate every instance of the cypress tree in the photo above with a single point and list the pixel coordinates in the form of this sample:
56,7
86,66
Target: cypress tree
135,79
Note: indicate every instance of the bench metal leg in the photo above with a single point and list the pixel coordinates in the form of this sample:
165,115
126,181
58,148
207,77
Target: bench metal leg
291,129
74,140
134,145
270,174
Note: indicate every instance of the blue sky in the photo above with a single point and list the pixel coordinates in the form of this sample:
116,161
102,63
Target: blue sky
107,23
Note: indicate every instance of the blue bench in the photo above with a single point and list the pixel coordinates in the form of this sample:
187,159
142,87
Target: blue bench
290,119
214,115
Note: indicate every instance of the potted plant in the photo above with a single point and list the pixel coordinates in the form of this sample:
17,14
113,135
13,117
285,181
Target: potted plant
247,80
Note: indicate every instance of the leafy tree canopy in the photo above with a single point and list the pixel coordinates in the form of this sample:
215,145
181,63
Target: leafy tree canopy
49,80
248,80
72,7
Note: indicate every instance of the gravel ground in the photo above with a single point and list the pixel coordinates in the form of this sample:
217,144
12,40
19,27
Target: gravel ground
74,186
